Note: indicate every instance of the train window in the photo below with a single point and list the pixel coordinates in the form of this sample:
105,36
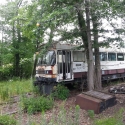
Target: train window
111,56
103,56
120,57
78,56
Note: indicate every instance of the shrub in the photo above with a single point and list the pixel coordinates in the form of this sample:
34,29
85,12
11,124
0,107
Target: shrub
6,71
36,90
7,120
33,105
26,67
91,113
60,92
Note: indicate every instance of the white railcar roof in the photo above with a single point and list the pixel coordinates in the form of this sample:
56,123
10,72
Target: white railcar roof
114,50
65,46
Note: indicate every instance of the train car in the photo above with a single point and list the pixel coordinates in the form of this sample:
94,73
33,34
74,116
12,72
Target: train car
62,63
112,63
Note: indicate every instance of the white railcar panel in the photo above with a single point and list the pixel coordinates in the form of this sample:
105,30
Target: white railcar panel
108,65
79,67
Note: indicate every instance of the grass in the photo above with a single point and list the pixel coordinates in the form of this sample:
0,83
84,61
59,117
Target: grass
63,117
7,120
12,88
109,121
117,119
33,105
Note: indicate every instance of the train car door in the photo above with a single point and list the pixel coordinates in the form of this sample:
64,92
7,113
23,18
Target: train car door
64,65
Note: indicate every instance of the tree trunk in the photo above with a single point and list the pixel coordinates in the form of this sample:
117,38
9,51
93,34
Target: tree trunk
82,26
97,76
34,66
90,60
14,40
97,72
17,54
1,58
35,57
86,37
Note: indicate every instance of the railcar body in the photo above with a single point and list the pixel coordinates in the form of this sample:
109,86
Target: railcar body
112,63
63,63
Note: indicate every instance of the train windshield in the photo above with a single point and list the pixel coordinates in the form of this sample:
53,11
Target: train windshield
49,58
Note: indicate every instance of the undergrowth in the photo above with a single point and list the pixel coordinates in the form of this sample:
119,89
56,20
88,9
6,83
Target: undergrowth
7,120
63,117
114,120
60,92
11,88
91,113
33,105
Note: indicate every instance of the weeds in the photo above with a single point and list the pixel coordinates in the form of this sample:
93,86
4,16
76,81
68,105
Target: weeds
60,92
36,90
108,121
91,114
38,104
63,117
114,120
58,117
11,88
4,93
7,120
77,114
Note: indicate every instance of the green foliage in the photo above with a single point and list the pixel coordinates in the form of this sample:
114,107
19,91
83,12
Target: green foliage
114,120
36,90
7,120
6,71
108,121
77,114
37,104
4,93
91,113
26,67
63,117
60,92
22,38
11,88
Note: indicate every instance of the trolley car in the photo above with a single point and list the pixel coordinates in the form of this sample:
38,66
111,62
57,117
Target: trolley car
64,64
